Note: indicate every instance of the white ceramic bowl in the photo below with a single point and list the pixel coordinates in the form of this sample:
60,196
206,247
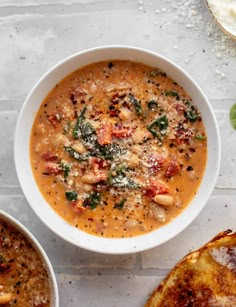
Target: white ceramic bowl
35,198
28,235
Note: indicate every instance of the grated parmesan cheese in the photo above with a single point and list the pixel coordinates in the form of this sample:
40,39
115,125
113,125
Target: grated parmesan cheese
225,13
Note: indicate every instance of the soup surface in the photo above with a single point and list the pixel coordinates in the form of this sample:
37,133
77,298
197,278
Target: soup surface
118,148
24,281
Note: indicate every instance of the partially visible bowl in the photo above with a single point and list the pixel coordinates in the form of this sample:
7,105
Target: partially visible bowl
29,186
12,222
224,15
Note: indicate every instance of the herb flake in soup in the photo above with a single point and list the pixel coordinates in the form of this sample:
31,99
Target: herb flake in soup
118,148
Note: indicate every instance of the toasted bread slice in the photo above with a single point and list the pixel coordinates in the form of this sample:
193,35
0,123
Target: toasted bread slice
205,277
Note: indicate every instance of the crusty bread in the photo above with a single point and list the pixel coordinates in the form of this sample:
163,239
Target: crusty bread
205,277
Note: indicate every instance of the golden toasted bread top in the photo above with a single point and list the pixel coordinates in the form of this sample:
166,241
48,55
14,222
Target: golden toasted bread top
205,277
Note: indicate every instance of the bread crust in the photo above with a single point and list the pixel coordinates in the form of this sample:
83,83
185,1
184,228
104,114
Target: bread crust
205,277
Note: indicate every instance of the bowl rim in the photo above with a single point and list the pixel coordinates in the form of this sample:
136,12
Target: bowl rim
6,217
103,245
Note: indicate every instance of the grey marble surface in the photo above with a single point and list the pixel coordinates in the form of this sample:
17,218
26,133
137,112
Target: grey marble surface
35,35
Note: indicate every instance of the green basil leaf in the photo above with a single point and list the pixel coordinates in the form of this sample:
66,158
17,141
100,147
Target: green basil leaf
78,124
136,104
120,204
66,169
158,127
92,200
74,154
200,137
172,93
232,116
118,179
71,195
152,104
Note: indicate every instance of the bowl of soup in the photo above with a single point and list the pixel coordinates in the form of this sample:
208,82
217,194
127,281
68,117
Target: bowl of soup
26,275
117,149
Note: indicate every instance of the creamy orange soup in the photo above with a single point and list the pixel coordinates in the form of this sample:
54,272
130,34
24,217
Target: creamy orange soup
24,281
118,148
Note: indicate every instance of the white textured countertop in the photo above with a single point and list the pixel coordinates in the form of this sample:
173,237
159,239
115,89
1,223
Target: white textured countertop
35,35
